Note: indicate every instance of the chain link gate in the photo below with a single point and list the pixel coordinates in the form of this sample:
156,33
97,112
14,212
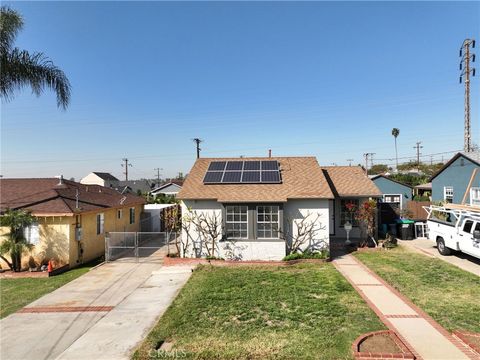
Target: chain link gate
139,246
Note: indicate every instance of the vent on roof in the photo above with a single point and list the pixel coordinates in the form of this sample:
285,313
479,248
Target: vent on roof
244,172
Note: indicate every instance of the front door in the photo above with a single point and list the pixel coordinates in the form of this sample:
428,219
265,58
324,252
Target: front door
331,216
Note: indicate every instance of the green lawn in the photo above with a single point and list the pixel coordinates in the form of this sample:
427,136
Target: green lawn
306,311
448,294
16,293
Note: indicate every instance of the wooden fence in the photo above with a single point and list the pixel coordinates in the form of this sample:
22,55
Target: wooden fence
416,209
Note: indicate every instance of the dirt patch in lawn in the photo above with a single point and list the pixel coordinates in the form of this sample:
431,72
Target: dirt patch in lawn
380,343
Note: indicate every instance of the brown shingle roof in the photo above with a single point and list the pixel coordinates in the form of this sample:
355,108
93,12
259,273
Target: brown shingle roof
45,196
350,181
302,178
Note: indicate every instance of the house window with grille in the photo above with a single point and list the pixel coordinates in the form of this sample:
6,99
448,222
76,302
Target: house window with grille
448,194
100,223
268,222
132,215
32,234
475,196
236,222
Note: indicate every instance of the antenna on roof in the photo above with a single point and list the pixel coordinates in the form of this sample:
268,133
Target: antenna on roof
76,198
269,153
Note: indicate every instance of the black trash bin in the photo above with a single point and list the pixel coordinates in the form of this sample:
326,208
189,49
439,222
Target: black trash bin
405,229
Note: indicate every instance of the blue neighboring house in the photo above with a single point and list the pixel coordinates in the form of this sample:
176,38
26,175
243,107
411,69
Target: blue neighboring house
458,181
394,192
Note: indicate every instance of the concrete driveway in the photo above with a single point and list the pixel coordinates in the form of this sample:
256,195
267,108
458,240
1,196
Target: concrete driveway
428,247
103,314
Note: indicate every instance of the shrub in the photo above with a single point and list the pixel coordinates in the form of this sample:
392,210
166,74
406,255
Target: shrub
323,254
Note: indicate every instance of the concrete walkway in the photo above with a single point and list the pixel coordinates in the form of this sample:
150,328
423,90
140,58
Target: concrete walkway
103,314
428,247
425,337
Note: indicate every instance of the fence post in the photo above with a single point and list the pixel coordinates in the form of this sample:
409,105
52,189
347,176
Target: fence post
136,247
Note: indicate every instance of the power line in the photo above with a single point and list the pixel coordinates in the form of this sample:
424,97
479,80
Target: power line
466,70
158,174
366,156
418,147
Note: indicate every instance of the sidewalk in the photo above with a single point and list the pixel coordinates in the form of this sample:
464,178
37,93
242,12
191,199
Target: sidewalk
103,314
425,337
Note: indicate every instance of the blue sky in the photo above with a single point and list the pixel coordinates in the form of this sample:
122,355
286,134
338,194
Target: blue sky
312,78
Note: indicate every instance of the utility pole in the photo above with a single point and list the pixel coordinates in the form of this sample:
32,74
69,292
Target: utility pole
418,147
158,175
349,162
198,141
367,155
465,68
126,165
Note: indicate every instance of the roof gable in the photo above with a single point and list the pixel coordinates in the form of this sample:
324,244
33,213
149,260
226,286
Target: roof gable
350,181
451,161
390,179
105,176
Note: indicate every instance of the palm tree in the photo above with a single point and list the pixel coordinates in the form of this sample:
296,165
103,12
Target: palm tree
15,242
19,68
395,133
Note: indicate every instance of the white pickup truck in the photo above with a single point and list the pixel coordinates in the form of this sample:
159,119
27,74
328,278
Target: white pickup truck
454,227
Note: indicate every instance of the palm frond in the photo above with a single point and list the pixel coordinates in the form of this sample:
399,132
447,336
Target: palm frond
20,69
11,23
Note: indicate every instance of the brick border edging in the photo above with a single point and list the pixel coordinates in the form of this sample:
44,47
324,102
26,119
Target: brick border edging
406,352
463,336
174,261
456,342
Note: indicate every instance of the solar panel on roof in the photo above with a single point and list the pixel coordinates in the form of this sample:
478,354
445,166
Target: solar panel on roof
269,165
217,166
251,176
251,165
213,177
245,172
270,176
234,165
232,177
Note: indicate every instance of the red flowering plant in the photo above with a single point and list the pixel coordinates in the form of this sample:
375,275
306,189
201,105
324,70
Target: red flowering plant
366,214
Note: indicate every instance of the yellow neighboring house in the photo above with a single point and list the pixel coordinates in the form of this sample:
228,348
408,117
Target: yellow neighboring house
72,218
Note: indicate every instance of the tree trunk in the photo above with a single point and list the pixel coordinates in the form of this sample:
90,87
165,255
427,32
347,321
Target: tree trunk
396,155
10,265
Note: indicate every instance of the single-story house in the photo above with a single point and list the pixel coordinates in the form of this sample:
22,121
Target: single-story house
71,218
142,186
458,181
258,208
100,178
394,193
169,189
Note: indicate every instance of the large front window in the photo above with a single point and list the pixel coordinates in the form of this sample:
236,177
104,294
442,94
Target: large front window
347,212
267,222
236,223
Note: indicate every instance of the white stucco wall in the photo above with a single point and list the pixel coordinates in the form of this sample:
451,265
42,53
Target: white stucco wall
294,211
315,210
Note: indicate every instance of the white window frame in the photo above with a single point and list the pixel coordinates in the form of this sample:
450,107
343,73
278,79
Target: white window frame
268,222
119,214
131,213
32,234
475,200
234,221
389,202
448,193
100,223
